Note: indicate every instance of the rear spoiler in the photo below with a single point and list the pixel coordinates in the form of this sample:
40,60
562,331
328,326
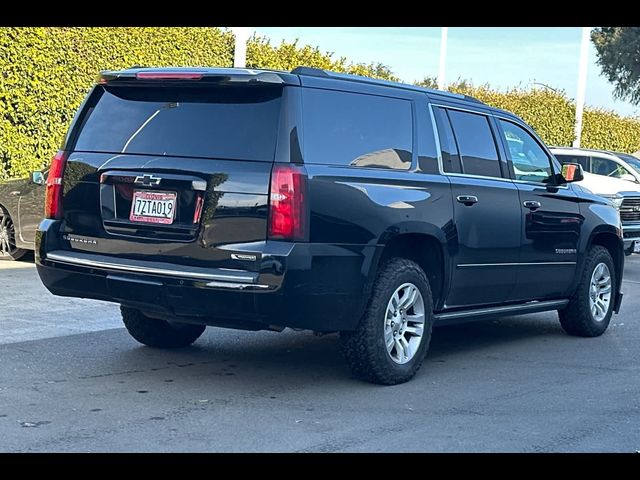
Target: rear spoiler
208,75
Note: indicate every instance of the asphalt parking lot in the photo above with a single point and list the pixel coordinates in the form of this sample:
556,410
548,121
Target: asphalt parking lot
71,379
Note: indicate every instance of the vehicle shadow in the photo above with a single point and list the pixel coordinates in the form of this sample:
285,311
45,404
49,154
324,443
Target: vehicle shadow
299,357
28,258
25,261
467,337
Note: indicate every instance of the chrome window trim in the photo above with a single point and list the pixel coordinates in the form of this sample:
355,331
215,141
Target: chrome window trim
481,177
437,138
462,109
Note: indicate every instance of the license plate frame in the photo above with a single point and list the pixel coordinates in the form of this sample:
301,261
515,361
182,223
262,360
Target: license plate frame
151,217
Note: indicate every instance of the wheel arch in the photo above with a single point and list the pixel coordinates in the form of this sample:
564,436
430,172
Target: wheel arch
608,237
19,249
3,208
424,244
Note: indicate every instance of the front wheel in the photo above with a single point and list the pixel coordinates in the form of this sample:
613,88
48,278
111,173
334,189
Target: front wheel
159,333
392,338
8,249
590,308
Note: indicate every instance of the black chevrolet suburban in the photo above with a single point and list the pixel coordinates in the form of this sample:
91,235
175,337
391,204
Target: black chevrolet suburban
259,200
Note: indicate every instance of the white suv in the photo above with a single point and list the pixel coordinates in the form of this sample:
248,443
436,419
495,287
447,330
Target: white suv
615,176
623,166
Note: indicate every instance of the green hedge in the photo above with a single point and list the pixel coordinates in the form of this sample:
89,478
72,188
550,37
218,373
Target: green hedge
552,115
45,73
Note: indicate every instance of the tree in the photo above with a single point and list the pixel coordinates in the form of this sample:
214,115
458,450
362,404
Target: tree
618,50
428,82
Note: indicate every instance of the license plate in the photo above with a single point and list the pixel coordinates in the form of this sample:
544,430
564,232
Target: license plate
636,246
153,207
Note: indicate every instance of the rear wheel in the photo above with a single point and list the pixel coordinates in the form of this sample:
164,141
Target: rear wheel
8,249
159,333
591,306
392,338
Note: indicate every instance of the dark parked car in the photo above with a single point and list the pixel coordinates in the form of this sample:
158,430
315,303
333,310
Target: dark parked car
262,200
21,210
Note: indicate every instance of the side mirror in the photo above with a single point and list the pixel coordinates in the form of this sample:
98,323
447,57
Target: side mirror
572,172
37,178
628,177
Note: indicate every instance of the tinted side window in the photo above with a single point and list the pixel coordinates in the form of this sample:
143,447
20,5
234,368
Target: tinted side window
450,155
633,162
581,159
475,141
604,166
342,128
530,162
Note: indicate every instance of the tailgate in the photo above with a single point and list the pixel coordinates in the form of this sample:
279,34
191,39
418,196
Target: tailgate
171,173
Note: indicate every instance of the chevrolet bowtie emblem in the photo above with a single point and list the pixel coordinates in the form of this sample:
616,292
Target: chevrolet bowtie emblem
147,180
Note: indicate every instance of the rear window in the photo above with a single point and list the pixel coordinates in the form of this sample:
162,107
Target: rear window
224,122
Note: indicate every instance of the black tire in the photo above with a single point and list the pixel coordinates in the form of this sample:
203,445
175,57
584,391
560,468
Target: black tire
629,251
8,250
577,319
159,333
364,349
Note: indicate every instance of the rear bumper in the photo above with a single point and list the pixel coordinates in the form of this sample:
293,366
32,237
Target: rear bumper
311,286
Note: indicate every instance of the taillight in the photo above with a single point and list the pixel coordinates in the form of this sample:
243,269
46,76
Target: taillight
198,211
287,203
53,196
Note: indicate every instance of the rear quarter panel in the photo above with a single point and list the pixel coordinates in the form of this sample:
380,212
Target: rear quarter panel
8,201
366,207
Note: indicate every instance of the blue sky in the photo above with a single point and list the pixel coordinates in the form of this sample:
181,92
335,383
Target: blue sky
501,56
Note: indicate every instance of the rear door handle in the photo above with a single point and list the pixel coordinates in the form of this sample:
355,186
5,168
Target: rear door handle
532,204
467,200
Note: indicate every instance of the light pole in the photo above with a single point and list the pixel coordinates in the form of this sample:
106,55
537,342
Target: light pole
582,86
555,90
443,56
240,48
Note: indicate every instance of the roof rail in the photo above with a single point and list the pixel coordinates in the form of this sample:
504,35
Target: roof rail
310,71
319,72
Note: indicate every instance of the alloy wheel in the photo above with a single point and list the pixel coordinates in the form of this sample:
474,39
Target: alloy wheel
600,292
7,236
404,323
